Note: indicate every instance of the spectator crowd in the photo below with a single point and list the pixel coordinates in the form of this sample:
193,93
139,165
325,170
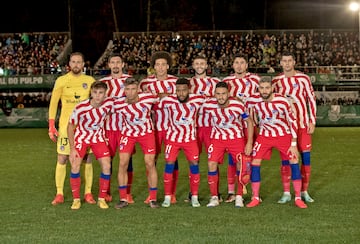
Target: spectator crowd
312,49
316,51
31,54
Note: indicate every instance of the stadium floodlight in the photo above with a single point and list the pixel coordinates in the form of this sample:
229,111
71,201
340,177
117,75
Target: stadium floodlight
355,7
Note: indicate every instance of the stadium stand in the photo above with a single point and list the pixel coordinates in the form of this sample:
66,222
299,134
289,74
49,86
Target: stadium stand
317,51
334,52
33,53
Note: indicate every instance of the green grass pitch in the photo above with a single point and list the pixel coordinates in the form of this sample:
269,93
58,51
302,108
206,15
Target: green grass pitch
27,187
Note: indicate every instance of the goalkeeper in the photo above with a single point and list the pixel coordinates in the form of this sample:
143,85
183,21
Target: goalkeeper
69,89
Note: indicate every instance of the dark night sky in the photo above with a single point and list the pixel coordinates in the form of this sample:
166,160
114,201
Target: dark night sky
92,21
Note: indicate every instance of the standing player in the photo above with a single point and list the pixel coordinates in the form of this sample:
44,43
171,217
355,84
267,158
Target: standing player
182,109
86,130
115,82
69,89
227,135
135,109
277,126
161,84
202,84
297,87
242,84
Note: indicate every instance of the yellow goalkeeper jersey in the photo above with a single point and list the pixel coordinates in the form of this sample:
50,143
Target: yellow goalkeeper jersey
70,90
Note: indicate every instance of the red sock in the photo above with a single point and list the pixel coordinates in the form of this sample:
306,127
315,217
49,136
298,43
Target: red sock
168,183
75,184
213,184
305,175
152,194
285,171
103,187
255,187
122,193
194,184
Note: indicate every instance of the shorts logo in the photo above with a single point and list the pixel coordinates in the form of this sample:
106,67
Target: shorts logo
150,150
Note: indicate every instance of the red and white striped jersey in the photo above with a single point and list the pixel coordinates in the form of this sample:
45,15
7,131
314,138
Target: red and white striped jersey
275,117
299,91
226,122
89,121
153,85
203,86
115,89
137,116
182,117
242,87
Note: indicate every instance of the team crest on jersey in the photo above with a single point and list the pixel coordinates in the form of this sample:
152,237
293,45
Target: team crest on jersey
247,83
240,94
192,107
85,86
275,111
208,83
143,109
62,148
295,85
231,116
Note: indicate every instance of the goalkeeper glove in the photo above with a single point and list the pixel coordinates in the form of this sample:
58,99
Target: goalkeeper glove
52,130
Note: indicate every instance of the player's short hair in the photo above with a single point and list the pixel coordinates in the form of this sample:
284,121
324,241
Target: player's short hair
222,84
98,85
265,79
161,55
77,54
131,81
239,55
183,81
200,57
288,53
115,55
